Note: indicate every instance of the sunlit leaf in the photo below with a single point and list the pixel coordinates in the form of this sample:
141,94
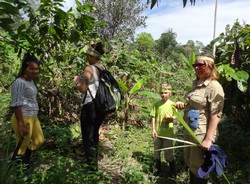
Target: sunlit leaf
122,85
226,69
241,75
242,85
149,94
52,30
185,125
137,86
185,59
190,60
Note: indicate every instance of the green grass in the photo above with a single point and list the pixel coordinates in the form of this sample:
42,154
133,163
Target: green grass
125,157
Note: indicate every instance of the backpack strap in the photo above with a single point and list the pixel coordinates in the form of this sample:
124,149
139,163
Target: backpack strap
98,67
90,94
86,96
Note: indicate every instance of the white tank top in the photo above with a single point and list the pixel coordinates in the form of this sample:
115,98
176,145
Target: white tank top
93,86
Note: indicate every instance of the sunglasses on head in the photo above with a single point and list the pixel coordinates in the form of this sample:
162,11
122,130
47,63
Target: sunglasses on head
198,64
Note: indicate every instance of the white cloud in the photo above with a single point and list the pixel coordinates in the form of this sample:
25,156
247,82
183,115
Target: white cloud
192,22
195,22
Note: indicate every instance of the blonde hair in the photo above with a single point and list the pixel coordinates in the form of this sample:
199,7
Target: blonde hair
212,72
165,87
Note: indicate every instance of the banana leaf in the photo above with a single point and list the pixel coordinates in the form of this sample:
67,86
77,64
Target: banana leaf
175,147
188,144
178,140
180,119
185,125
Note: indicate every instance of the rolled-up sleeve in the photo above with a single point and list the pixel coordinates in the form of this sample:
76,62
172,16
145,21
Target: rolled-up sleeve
216,99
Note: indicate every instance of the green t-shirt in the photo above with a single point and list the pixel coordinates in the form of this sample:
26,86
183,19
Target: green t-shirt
159,112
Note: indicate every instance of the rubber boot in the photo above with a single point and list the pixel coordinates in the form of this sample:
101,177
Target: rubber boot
200,180
28,155
172,168
191,176
158,167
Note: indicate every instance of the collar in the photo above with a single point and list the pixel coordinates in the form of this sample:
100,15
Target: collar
207,82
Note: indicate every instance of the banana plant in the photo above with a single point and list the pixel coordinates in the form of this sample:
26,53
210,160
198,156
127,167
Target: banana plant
129,94
189,61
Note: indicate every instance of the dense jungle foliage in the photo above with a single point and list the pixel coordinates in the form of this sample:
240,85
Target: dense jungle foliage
58,37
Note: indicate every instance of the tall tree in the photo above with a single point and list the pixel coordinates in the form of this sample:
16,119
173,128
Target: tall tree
233,62
145,42
121,17
166,44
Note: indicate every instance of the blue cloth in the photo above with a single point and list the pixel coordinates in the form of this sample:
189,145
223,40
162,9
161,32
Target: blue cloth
194,118
214,160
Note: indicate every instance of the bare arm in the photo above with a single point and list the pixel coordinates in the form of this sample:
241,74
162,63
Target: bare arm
82,85
208,139
19,116
180,105
154,134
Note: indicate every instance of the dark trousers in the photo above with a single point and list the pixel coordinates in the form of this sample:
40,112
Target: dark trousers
91,120
196,180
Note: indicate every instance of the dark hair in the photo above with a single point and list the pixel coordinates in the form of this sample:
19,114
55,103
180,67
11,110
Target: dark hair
98,47
27,58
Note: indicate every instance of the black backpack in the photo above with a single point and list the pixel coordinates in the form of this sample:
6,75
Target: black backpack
108,95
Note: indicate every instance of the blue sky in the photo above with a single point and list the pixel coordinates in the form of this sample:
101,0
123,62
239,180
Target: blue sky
195,22
192,22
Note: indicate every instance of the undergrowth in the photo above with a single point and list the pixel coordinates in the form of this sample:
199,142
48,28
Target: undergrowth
125,156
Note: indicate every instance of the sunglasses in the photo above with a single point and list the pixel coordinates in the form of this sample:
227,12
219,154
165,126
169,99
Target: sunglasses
198,65
165,92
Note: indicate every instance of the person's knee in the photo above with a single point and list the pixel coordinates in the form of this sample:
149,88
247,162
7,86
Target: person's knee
38,143
41,142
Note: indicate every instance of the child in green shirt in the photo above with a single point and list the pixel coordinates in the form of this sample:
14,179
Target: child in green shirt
162,125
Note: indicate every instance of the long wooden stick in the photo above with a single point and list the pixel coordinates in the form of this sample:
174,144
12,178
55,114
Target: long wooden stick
17,148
